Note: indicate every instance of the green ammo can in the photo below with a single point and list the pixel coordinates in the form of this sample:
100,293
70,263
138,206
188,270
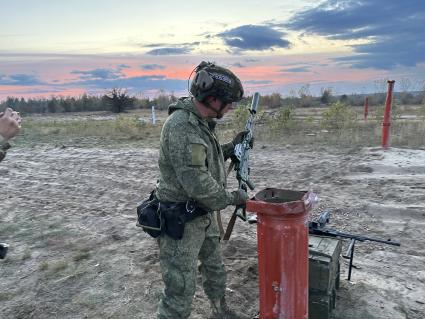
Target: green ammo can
324,273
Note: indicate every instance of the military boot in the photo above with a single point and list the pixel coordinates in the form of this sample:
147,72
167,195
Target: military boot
220,310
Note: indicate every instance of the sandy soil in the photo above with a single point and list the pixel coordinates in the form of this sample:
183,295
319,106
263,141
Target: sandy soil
69,217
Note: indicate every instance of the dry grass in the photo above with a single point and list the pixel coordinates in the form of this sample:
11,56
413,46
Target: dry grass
81,254
87,131
336,124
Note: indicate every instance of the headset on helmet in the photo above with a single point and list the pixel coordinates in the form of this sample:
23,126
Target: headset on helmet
213,80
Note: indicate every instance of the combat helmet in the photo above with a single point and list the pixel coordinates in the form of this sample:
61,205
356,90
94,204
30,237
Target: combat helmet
213,80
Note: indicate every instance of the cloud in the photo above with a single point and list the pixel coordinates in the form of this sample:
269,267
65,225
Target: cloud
300,69
19,80
134,84
394,30
258,82
100,73
150,67
168,51
252,60
254,37
238,65
184,44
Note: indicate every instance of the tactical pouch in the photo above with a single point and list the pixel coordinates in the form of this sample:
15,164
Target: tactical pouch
149,216
175,220
177,214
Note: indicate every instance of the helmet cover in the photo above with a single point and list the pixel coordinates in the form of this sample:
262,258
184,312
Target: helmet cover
216,81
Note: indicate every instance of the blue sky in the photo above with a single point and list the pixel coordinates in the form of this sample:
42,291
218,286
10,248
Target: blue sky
72,47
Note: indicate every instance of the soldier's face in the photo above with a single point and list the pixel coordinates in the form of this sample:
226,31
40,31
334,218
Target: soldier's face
216,106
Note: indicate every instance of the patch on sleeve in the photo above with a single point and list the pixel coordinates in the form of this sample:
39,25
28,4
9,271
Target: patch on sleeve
199,154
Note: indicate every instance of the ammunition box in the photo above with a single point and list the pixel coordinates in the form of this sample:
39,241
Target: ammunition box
324,273
320,306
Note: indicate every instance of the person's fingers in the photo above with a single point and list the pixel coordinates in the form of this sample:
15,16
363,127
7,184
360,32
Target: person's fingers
1,114
12,117
15,115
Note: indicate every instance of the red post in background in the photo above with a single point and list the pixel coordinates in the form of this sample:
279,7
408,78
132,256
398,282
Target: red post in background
282,235
366,108
387,116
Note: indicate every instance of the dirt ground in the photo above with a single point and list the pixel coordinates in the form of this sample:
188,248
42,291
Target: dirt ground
68,215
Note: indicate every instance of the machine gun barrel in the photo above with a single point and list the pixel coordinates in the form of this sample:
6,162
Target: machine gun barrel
318,228
334,233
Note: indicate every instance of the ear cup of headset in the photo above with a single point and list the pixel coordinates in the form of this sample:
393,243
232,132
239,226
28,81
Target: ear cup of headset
203,80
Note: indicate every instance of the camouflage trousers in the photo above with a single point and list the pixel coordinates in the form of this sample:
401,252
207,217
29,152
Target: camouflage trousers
179,259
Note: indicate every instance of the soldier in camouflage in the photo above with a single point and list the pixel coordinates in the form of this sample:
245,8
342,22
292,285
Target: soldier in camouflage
191,163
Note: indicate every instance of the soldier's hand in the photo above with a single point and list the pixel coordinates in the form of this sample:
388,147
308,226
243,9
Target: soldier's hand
239,138
239,197
10,123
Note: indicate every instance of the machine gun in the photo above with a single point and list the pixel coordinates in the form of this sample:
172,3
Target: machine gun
241,164
318,228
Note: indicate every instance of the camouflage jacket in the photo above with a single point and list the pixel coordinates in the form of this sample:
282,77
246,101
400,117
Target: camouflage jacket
191,160
4,146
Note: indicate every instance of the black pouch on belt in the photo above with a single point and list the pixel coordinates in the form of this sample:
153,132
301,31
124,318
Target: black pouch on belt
176,215
149,216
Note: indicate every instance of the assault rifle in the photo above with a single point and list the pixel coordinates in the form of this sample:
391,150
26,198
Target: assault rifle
318,228
241,164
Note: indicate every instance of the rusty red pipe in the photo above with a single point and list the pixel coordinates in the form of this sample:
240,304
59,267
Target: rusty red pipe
366,108
282,254
387,116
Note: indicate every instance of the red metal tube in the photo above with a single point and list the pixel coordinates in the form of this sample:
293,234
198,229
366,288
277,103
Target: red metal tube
387,116
282,237
366,108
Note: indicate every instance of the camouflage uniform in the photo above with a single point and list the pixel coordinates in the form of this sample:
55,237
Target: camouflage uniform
4,146
191,163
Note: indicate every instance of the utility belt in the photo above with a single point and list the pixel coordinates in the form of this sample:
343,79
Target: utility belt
177,214
157,217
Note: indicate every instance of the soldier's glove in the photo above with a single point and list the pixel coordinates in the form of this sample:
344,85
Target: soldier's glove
239,197
239,138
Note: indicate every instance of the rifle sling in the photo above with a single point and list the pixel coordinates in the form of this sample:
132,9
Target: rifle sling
230,226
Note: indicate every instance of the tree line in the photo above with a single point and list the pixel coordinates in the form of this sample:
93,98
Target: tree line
118,100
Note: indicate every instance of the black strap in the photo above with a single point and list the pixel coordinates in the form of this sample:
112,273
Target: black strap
190,209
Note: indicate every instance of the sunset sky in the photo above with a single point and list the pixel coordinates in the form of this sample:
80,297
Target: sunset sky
51,47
